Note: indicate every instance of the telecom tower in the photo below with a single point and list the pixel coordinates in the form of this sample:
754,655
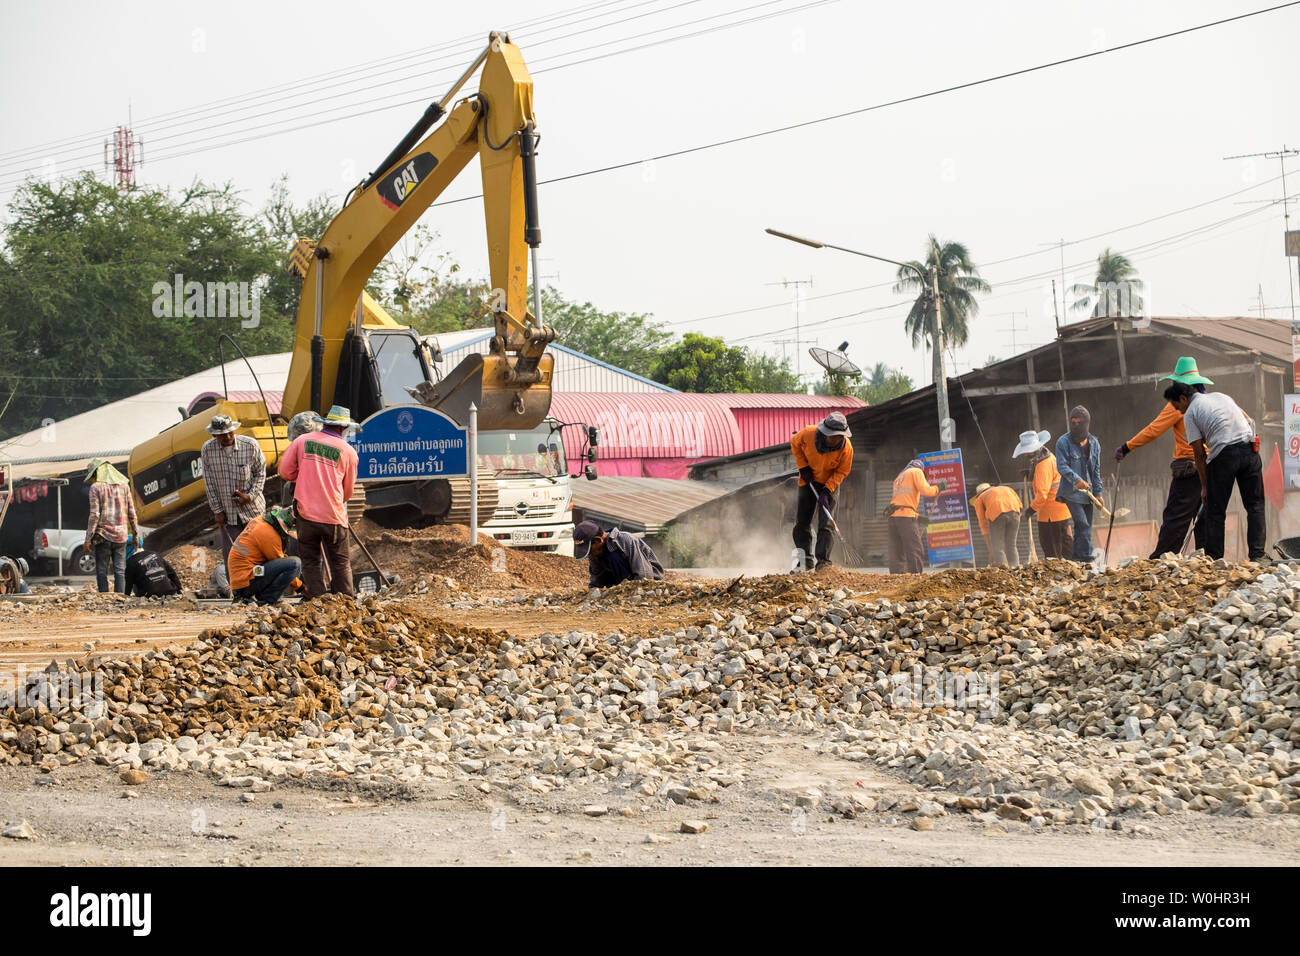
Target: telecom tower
122,154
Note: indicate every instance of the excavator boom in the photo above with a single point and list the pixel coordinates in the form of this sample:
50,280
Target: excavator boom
511,385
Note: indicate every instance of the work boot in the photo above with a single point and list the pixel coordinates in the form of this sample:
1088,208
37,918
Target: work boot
823,563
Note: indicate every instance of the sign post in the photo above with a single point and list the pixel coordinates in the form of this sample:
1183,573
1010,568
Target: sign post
409,441
948,536
473,474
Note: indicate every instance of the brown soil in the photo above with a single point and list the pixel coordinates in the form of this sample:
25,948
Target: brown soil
193,566
443,551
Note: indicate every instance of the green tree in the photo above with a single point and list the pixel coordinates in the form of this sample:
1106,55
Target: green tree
629,340
882,384
702,363
78,270
282,223
959,281
1116,290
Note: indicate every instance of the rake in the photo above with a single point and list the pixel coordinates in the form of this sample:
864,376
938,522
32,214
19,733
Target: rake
849,550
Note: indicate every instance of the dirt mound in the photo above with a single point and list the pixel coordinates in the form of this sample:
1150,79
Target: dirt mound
193,565
444,551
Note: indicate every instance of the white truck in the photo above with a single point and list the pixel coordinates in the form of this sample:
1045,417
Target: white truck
534,489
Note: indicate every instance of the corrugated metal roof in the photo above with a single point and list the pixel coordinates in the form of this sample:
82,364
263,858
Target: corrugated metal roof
574,371
641,504
649,425
273,399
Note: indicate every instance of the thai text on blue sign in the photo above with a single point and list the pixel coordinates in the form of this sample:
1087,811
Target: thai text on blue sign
410,441
948,536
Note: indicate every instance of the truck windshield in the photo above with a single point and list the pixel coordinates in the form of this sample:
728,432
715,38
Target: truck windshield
398,363
538,451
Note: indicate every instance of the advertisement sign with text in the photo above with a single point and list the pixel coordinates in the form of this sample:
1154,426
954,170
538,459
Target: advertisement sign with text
948,535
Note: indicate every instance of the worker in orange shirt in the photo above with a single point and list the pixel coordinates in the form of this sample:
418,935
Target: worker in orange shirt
258,567
1184,501
1044,480
906,539
824,456
998,509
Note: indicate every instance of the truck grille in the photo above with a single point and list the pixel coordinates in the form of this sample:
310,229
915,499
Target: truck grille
534,513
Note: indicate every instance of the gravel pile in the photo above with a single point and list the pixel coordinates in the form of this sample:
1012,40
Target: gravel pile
1162,686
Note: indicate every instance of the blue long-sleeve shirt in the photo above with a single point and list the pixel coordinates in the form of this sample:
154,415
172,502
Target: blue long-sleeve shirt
1074,462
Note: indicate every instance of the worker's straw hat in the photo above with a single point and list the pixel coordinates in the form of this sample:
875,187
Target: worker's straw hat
284,518
1030,442
834,424
1185,371
221,425
979,490
339,416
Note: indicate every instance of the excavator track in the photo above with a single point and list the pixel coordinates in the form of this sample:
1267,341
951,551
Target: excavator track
487,501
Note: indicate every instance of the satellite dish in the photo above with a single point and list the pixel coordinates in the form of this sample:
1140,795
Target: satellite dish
835,362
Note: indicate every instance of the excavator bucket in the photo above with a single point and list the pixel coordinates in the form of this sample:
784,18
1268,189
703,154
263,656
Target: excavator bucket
489,382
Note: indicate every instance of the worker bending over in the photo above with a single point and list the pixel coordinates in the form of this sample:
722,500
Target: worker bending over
824,456
1184,500
1044,482
614,556
998,509
906,538
1226,453
258,567
149,574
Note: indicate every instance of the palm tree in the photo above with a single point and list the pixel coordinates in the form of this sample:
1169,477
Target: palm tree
959,280
1115,291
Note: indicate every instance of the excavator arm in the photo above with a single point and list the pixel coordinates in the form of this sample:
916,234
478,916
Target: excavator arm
511,385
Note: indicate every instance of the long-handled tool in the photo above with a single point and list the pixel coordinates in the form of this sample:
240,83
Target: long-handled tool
1191,529
1105,512
387,579
1114,498
848,548
1029,524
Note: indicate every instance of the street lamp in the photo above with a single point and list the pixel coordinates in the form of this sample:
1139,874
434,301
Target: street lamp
936,326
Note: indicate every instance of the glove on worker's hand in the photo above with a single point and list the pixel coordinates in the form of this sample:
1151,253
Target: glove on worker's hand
824,499
942,484
806,474
1121,451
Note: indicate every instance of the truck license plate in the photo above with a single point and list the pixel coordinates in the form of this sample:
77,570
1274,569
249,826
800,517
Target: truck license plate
523,537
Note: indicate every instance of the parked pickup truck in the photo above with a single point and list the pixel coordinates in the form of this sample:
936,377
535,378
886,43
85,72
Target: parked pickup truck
50,543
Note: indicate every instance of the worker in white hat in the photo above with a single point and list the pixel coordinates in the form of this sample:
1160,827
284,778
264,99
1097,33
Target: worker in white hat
234,473
1044,481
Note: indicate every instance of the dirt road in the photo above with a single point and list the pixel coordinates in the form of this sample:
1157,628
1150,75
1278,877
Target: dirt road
81,817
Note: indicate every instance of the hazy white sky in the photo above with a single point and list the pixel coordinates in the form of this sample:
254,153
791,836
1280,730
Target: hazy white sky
1007,167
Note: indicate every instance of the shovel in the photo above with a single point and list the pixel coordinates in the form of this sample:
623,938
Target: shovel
1106,512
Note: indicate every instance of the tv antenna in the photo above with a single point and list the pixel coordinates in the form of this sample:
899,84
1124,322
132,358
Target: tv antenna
839,367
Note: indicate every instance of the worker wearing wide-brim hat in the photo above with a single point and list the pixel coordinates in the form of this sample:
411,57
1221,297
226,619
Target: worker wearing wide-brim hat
997,507
1044,481
824,456
1184,500
234,475
323,468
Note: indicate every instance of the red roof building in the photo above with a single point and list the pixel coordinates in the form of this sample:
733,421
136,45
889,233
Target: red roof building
651,435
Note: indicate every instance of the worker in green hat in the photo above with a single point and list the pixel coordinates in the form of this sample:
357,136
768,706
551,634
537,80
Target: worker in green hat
258,567
111,523
1184,501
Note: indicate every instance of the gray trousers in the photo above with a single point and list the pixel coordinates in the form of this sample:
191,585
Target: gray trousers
1002,539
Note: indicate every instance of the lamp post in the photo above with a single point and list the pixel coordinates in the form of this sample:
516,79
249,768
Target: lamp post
930,276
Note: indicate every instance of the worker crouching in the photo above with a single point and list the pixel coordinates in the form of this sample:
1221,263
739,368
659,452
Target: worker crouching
824,456
258,567
614,556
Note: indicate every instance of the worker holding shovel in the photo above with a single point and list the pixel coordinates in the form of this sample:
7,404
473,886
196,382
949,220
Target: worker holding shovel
1184,501
1078,458
824,456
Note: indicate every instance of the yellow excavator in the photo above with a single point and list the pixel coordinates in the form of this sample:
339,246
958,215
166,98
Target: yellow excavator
348,351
